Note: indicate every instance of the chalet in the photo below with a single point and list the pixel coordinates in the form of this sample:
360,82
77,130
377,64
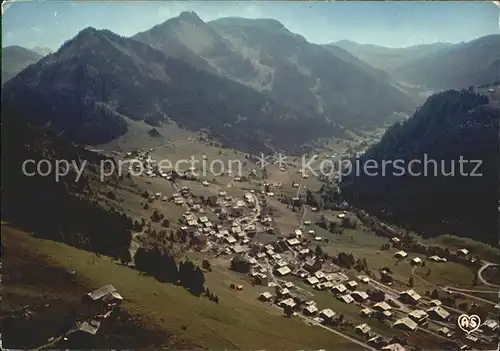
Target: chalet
444,331
90,327
419,316
102,298
302,274
359,296
382,306
312,265
405,324
270,253
400,254
395,240
435,303
377,342
351,285
265,296
409,296
438,313
277,257
366,312
288,302
283,271
462,253
346,298
327,314
417,261
310,310
252,260
324,286
238,248
490,326
192,223
320,275
224,232
339,289
285,293
364,279
304,252
312,280
362,329
236,230
229,240
281,263
394,347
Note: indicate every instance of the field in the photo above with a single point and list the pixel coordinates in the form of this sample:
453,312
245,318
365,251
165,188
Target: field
237,322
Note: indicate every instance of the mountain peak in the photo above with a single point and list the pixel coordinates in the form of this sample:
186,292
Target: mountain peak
189,16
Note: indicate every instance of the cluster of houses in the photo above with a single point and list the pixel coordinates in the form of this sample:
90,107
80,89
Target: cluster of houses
96,306
234,229
309,268
417,261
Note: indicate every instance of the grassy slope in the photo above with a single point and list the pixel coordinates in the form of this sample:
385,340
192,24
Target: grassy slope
235,323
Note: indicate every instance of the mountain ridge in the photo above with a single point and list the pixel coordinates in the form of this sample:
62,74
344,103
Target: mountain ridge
106,77
16,58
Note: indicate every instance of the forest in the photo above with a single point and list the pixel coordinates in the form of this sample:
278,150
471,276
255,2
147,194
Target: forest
449,126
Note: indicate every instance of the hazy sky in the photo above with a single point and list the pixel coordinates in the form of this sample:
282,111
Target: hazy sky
394,24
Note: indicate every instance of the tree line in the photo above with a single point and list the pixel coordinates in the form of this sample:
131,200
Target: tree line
161,264
57,210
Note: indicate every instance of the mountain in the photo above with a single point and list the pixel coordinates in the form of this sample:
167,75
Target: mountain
15,59
445,197
439,66
349,58
265,56
42,51
455,67
97,81
388,59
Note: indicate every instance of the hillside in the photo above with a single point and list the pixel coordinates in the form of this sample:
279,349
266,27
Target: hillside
450,125
15,59
72,216
93,82
473,63
265,56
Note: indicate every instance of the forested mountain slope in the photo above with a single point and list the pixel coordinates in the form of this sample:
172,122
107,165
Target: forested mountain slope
450,126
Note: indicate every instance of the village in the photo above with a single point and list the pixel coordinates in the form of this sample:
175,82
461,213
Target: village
289,269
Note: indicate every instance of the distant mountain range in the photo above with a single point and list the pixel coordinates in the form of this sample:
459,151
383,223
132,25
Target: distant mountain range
437,66
251,84
15,59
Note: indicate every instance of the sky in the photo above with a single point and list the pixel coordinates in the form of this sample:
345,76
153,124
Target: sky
394,24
